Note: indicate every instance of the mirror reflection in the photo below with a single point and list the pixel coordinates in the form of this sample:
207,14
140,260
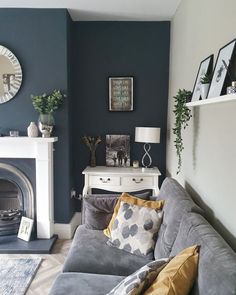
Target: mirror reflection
10,75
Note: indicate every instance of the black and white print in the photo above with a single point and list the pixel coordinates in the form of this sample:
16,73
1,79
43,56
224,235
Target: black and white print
118,150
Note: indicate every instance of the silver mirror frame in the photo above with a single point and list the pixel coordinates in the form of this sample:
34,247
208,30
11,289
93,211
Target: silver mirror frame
18,74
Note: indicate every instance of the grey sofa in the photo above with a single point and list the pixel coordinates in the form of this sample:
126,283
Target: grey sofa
92,267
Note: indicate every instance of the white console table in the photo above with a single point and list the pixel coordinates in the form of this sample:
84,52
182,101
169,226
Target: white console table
119,179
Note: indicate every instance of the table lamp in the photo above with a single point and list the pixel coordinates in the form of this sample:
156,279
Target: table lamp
147,135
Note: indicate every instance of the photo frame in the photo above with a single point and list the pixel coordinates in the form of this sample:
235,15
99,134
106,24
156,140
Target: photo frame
204,68
25,230
118,150
225,54
121,94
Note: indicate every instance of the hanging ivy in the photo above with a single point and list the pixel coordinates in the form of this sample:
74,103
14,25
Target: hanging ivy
182,116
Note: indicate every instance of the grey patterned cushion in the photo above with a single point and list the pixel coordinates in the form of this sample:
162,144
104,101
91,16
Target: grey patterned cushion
135,229
142,279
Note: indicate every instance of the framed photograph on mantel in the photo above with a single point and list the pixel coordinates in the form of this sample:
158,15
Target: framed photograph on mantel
204,68
121,94
223,61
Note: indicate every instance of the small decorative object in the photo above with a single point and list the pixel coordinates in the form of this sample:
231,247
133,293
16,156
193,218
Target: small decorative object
92,143
46,104
11,75
147,135
118,150
135,164
232,89
204,68
223,61
14,133
121,94
182,116
32,130
25,230
205,84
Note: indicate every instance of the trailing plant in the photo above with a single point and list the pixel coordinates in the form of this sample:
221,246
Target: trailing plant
206,78
48,103
182,116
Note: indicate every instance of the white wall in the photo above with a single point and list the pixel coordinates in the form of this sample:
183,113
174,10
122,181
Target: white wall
198,29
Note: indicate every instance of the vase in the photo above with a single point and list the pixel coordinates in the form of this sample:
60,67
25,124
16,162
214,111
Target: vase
204,90
46,123
93,158
32,130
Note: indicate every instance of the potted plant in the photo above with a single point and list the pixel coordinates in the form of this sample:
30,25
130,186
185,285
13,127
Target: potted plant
205,84
46,105
182,116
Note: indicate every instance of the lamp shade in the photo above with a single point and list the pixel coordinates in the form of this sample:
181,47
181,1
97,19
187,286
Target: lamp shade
147,134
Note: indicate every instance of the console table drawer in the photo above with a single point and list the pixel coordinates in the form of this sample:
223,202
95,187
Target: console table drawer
137,181
105,180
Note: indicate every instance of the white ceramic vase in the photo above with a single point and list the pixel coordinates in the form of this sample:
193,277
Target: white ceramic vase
32,130
204,90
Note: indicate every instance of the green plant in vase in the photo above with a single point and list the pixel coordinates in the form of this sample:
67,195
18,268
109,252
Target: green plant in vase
46,105
182,116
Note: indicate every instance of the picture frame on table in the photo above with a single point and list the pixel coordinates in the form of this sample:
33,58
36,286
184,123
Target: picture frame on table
223,61
204,68
25,230
121,94
117,150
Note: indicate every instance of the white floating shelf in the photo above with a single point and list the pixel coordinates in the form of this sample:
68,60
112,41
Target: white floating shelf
219,99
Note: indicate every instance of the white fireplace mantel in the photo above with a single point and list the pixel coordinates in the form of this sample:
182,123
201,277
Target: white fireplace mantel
40,149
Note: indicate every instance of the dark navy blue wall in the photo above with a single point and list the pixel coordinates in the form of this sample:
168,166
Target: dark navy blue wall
103,49
39,39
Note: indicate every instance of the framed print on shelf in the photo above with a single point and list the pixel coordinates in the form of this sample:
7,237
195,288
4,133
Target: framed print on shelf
223,61
121,94
204,68
25,230
118,150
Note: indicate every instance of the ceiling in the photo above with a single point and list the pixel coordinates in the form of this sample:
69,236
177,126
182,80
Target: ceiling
105,10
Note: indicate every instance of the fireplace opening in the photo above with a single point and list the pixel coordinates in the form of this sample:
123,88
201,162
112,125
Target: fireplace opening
16,199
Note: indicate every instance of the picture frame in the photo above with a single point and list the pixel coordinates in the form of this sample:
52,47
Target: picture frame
205,67
121,94
25,230
117,150
225,54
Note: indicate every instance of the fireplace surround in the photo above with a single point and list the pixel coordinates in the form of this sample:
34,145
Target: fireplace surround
41,150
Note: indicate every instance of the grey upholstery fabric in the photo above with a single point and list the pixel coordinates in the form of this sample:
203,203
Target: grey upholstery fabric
97,209
217,261
177,202
84,284
89,253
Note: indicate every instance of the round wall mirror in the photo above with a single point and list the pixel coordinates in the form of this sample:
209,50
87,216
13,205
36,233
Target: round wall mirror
10,75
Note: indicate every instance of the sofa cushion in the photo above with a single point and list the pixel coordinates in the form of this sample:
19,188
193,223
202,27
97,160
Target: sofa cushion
217,261
97,209
84,284
177,202
135,229
139,281
89,253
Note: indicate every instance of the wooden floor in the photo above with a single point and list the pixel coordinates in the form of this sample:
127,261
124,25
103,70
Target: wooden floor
49,268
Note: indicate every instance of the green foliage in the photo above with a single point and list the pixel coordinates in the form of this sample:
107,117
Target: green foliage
48,103
182,116
206,79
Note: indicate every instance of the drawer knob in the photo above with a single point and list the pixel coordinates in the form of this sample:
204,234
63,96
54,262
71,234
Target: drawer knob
104,180
137,180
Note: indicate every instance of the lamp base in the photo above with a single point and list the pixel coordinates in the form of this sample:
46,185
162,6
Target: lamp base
147,148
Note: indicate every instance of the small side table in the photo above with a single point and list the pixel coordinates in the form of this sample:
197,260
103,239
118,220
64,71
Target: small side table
119,179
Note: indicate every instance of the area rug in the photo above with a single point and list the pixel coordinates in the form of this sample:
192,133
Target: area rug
17,274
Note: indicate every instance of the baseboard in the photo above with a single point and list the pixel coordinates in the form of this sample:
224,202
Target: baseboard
66,230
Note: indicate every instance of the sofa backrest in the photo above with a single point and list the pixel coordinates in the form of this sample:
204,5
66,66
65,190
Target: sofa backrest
177,202
217,261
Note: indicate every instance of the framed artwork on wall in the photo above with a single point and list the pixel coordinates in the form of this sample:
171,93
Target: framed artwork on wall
223,61
121,94
204,68
118,150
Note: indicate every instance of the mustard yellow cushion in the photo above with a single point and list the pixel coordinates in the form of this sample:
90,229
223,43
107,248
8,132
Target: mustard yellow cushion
178,276
126,198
